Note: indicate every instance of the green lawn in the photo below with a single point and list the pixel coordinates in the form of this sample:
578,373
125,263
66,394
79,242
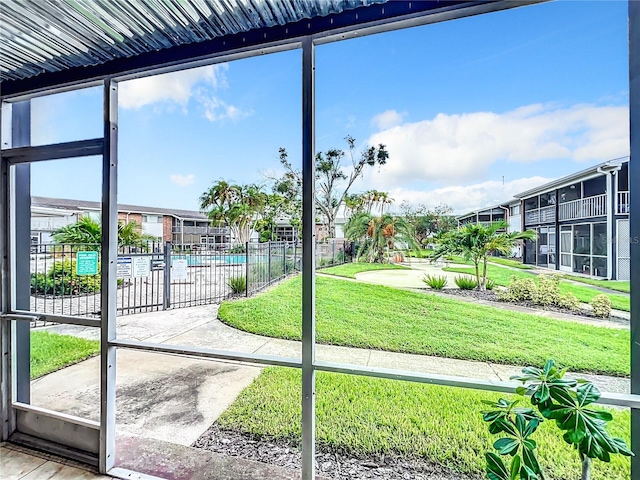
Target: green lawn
618,285
508,262
502,276
50,351
373,316
368,415
350,270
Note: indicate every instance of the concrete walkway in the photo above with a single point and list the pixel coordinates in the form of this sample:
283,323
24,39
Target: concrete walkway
219,382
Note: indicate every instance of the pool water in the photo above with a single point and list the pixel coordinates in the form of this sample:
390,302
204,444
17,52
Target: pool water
198,260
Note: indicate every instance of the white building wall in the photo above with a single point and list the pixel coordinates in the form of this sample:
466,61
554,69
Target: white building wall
152,228
515,223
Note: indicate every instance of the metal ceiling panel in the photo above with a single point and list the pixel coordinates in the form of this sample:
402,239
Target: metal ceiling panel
38,36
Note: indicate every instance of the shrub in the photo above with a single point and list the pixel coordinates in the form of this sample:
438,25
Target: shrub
548,291
569,301
238,249
601,305
238,284
521,290
61,279
465,283
435,282
490,285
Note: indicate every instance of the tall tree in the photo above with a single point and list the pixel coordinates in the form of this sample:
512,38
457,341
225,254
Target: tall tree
476,242
237,206
428,223
378,234
333,178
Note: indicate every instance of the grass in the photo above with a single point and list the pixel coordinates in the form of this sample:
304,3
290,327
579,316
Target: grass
51,352
350,270
372,316
362,415
508,262
618,285
502,276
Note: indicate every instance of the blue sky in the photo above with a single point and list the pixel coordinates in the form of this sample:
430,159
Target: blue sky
528,94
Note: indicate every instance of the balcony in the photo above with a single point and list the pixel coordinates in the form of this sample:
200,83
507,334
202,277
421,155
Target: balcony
48,224
623,203
201,230
583,208
540,215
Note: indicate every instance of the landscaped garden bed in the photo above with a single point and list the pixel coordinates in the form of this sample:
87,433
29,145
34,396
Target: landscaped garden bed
584,293
492,296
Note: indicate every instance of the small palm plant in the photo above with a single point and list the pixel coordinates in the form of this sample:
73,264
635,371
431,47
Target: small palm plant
476,242
563,400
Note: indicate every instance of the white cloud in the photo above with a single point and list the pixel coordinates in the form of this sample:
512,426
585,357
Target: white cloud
464,198
182,180
217,110
455,148
387,119
174,87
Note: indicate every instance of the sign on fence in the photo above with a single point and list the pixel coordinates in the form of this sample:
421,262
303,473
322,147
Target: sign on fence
87,263
141,266
179,269
124,267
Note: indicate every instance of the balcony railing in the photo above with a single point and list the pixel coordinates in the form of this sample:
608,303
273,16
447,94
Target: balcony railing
540,215
623,203
201,230
583,208
51,223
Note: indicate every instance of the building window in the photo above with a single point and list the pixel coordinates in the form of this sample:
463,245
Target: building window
547,199
514,210
570,193
531,204
151,219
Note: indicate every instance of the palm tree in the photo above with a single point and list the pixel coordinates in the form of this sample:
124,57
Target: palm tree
378,234
237,206
87,231
476,242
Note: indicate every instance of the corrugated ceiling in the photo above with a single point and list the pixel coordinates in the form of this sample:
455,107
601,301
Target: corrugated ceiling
39,36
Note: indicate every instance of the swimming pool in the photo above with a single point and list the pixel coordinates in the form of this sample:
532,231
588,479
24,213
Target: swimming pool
196,260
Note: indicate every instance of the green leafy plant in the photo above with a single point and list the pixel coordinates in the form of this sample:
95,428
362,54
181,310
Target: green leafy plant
567,402
520,290
435,282
516,425
465,283
62,279
601,305
548,290
240,248
477,242
238,284
490,284
569,301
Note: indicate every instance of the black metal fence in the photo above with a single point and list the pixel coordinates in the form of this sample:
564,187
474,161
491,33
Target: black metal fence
154,276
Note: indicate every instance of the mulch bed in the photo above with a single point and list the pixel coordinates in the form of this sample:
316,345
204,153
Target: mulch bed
490,296
329,463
